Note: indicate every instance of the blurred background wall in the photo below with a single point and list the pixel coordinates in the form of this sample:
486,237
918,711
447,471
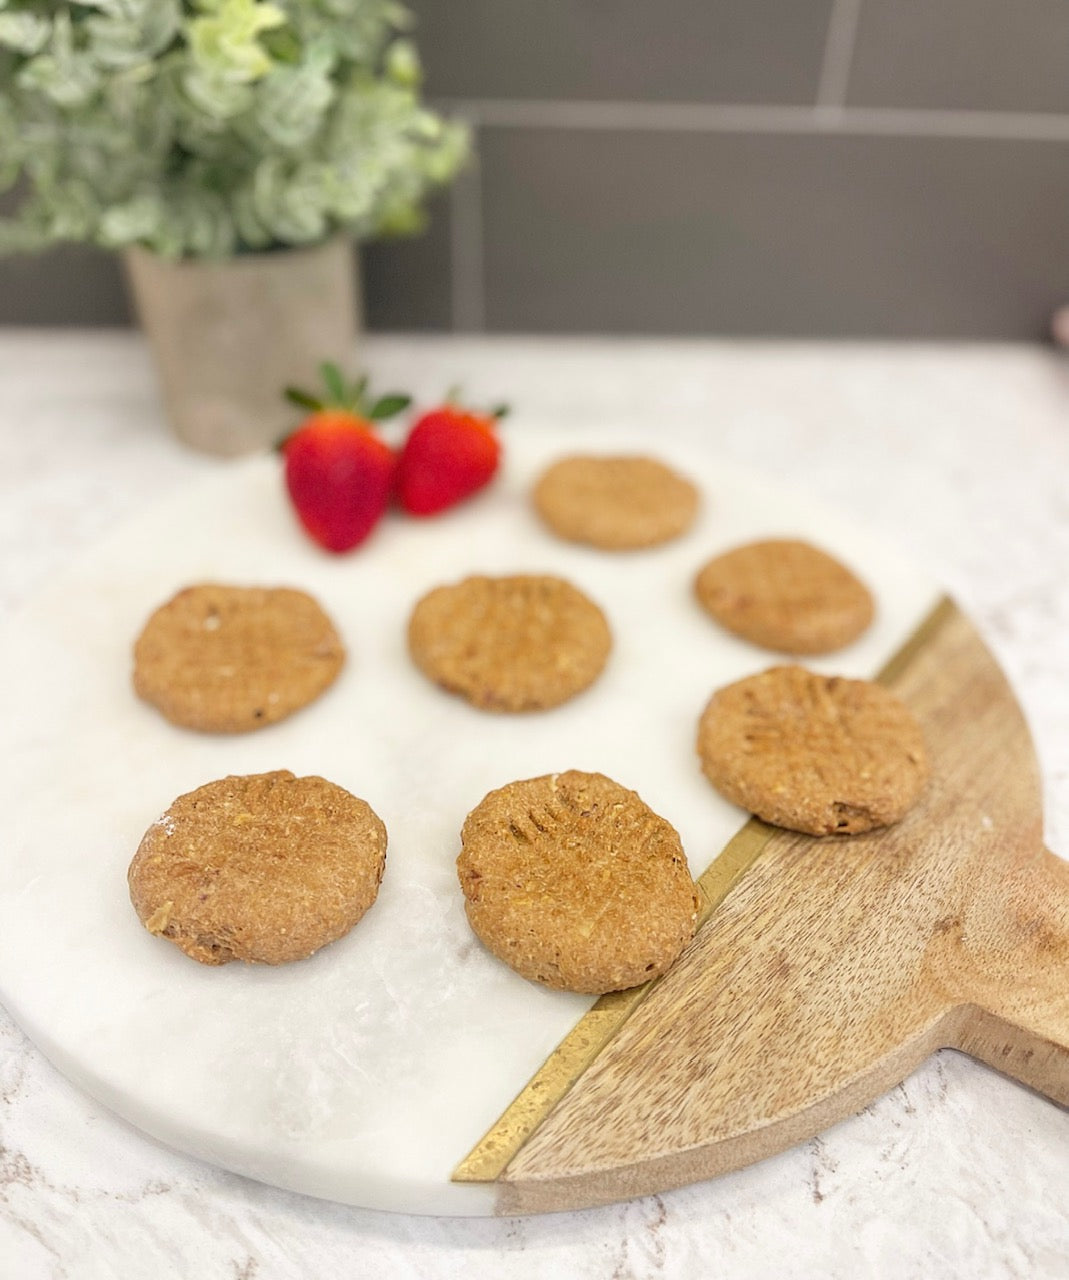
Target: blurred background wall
874,168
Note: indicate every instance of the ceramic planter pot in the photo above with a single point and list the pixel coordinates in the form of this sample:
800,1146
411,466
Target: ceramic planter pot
227,336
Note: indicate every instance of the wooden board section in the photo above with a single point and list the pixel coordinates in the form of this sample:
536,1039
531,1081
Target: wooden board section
831,969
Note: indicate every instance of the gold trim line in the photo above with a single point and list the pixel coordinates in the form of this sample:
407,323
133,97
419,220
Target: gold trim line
941,613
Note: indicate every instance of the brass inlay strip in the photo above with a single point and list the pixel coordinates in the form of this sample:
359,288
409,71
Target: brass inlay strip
569,1060
942,612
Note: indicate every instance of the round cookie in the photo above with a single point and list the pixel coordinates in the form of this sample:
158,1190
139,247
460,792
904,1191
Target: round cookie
785,595
819,754
521,643
575,883
615,503
266,868
226,659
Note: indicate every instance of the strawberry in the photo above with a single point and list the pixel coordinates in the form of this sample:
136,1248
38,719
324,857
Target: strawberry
450,453
339,473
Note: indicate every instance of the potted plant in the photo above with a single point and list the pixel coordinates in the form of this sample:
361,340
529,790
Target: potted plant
233,151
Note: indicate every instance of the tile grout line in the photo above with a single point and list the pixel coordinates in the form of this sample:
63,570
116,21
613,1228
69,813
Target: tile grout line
686,117
838,54
467,277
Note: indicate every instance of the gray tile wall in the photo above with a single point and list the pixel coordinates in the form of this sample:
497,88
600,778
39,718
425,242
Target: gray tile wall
624,50
884,168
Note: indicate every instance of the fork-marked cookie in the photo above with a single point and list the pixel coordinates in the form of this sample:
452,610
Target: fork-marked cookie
819,754
785,595
521,643
615,503
226,659
266,868
574,882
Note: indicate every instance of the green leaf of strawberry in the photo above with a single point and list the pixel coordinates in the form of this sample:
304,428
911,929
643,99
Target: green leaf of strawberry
449,455
388,406
302,399
335,383
339,473
345,395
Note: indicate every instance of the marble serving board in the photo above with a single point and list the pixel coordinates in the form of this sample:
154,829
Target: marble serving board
366,1073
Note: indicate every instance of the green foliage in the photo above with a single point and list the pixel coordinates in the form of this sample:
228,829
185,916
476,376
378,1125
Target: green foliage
209,127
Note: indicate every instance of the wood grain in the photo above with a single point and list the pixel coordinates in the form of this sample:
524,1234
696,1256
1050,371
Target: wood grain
835,966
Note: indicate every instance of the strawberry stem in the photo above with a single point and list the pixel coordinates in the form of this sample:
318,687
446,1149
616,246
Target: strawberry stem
454,399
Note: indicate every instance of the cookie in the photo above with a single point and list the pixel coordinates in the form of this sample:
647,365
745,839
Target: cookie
522,643
785,595
266,868
575,883
615,503
814,753
228,659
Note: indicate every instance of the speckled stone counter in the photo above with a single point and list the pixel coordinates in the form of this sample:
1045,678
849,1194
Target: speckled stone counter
960,456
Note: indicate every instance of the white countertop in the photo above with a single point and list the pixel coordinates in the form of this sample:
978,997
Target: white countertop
960,455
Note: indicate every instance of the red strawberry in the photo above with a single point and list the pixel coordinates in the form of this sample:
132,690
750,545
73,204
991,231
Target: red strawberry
339,473
450,454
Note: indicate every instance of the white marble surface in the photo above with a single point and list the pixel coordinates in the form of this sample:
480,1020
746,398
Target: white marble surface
962,455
